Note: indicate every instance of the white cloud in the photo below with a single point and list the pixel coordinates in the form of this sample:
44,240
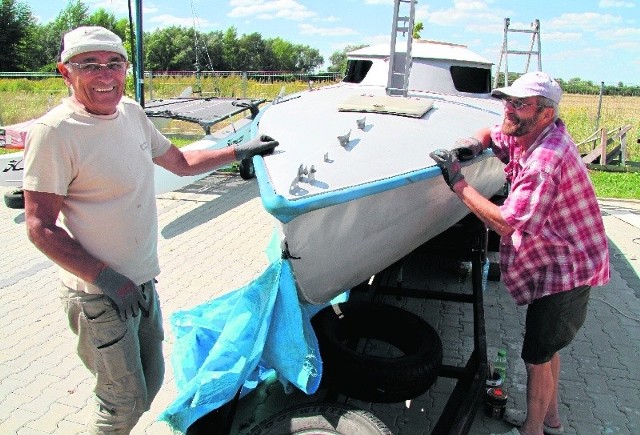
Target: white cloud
587,21
604,4
475,13
470,5
270,9
308,29
378,2
331,19
561,36
627,34
165,20
582,54
627,46
480,28
118,7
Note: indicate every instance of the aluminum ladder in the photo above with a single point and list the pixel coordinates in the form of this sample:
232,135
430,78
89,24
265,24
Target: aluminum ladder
400,63
504,52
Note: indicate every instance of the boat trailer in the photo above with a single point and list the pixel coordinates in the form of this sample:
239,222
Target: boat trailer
465,243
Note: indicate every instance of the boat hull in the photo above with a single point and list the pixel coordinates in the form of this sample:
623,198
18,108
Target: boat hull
332,249
12,165
375,198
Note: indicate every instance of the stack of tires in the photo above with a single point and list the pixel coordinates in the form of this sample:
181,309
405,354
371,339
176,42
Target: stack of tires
408,370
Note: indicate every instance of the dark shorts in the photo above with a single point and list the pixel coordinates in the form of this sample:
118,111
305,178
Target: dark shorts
552,323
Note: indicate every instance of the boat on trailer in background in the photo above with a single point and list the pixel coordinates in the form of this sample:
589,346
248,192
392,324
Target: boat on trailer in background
225,121
13,137
352,185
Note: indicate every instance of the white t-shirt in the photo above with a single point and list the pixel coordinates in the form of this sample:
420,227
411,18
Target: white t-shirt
103,167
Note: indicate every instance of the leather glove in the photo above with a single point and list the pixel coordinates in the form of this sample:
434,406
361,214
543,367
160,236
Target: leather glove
468,148
449,164
262,145
126,297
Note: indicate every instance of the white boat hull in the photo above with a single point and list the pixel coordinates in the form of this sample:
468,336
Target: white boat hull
236,133
374,200
334,248
12,165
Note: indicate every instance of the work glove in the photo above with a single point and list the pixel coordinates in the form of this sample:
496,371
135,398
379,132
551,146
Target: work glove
449,164
468,148
262,145
126,297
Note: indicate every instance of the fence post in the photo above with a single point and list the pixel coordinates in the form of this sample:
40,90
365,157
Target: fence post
623,150
244,84
150,85
603,146
599,105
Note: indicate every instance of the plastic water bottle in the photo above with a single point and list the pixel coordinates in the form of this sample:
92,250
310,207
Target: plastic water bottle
500,365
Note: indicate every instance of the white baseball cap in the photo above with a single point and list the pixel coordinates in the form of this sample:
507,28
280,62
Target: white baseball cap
531,84
90,38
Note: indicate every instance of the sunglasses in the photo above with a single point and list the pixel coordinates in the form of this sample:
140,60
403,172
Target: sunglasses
517,104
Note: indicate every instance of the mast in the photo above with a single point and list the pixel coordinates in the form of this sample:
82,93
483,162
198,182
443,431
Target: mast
138,74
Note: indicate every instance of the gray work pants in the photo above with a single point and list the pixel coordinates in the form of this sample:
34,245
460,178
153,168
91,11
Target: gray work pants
125,357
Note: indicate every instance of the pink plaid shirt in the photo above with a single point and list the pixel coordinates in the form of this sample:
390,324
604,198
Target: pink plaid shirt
559,241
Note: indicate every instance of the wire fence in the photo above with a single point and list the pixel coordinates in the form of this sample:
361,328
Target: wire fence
25,96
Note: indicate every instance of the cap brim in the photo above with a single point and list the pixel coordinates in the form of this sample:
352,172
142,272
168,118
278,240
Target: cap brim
501,93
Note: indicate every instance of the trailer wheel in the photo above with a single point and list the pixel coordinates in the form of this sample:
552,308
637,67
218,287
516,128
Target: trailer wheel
322,419
373,378
14,198
247,171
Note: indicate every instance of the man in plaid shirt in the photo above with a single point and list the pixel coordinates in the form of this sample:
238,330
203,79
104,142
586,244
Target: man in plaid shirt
553,245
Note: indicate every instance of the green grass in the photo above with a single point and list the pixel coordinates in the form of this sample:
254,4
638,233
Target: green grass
621,185
181,141
22,99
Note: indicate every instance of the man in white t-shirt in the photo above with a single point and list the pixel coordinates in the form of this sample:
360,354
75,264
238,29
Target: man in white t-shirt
90,207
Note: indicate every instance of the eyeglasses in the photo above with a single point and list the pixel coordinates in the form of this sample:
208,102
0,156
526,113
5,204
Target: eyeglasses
91,67
517,104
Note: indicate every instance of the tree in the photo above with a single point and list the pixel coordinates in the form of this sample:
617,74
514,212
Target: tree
282,55
75,14
417,28
308,59
229,44
209,50
50,35
169,49
249,52
17,24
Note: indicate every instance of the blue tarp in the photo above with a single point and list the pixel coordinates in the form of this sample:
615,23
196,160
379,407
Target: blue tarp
235,341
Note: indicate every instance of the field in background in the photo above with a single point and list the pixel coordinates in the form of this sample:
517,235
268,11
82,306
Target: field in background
23,99
580,113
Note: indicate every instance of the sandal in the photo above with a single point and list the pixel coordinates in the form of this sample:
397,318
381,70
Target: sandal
517,417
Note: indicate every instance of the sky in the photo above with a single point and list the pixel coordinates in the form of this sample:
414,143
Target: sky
596,40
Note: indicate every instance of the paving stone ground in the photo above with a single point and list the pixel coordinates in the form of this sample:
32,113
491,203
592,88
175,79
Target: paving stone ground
212,239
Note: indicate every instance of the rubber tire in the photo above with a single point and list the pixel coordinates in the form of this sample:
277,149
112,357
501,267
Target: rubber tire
375,378
321,419
14,198
247,171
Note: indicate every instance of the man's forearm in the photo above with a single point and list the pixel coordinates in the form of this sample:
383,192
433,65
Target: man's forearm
485,210
199,162
484,136
56,244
